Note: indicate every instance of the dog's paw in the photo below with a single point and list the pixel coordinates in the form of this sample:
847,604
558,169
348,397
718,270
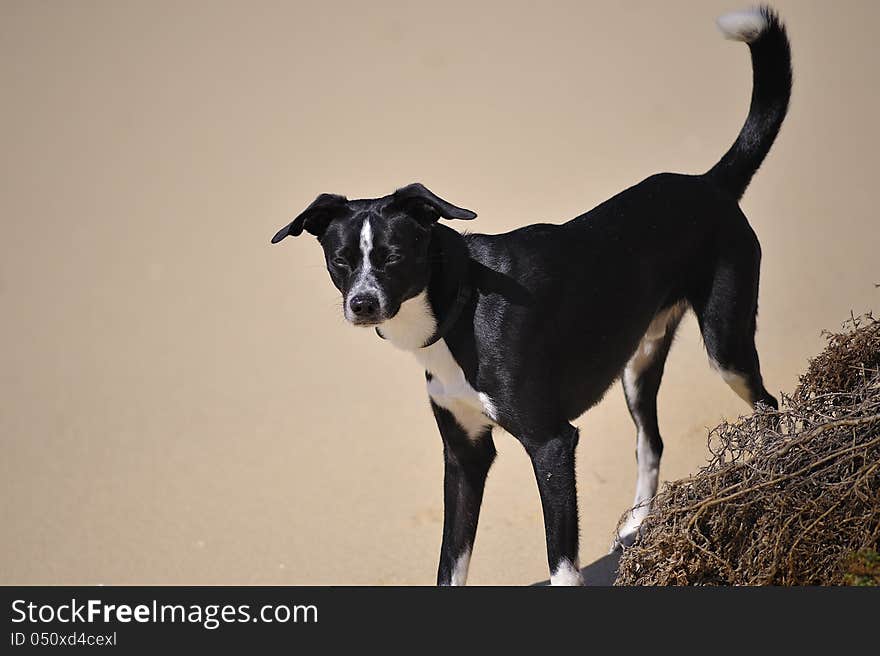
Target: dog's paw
623,541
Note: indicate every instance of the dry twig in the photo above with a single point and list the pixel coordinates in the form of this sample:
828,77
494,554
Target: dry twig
787,496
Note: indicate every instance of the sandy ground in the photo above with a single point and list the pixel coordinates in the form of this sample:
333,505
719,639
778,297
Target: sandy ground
182,403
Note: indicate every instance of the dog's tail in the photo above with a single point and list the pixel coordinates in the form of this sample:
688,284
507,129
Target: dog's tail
771,90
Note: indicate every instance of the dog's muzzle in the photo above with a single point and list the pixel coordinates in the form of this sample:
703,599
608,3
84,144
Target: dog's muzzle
364,309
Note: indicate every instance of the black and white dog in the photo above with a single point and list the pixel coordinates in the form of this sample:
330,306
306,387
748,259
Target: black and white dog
528,329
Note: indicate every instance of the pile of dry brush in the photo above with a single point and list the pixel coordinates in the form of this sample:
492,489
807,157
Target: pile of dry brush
787,497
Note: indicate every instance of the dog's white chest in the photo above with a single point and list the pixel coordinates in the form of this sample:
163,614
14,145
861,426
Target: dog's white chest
448,384
448,388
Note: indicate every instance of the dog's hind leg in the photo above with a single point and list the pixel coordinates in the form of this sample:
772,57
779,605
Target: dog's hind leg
641,382
727,316
467,461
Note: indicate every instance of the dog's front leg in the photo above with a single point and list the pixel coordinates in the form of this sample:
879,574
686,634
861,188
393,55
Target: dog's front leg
553,461
468,459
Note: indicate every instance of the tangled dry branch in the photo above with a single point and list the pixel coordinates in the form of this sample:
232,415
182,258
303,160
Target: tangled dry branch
787,496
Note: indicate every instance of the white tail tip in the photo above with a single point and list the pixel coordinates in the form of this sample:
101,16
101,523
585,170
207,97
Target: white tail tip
744,25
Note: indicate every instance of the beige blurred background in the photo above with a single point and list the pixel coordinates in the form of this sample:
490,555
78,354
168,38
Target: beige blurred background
182,403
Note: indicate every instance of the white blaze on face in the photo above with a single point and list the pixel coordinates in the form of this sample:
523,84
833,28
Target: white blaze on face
365,282
366,246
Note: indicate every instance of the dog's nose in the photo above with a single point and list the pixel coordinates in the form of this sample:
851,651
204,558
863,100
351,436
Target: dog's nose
364,306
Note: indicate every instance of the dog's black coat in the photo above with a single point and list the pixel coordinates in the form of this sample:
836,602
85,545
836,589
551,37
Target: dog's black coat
555,312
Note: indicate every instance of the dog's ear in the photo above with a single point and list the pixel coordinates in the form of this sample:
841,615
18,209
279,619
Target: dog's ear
315,217
426,206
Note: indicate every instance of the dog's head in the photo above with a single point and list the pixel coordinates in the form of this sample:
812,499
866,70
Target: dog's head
377,250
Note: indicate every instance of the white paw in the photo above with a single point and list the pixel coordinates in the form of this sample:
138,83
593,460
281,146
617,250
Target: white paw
567,573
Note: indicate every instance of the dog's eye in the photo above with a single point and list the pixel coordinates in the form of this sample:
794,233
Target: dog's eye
340,262
393,258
